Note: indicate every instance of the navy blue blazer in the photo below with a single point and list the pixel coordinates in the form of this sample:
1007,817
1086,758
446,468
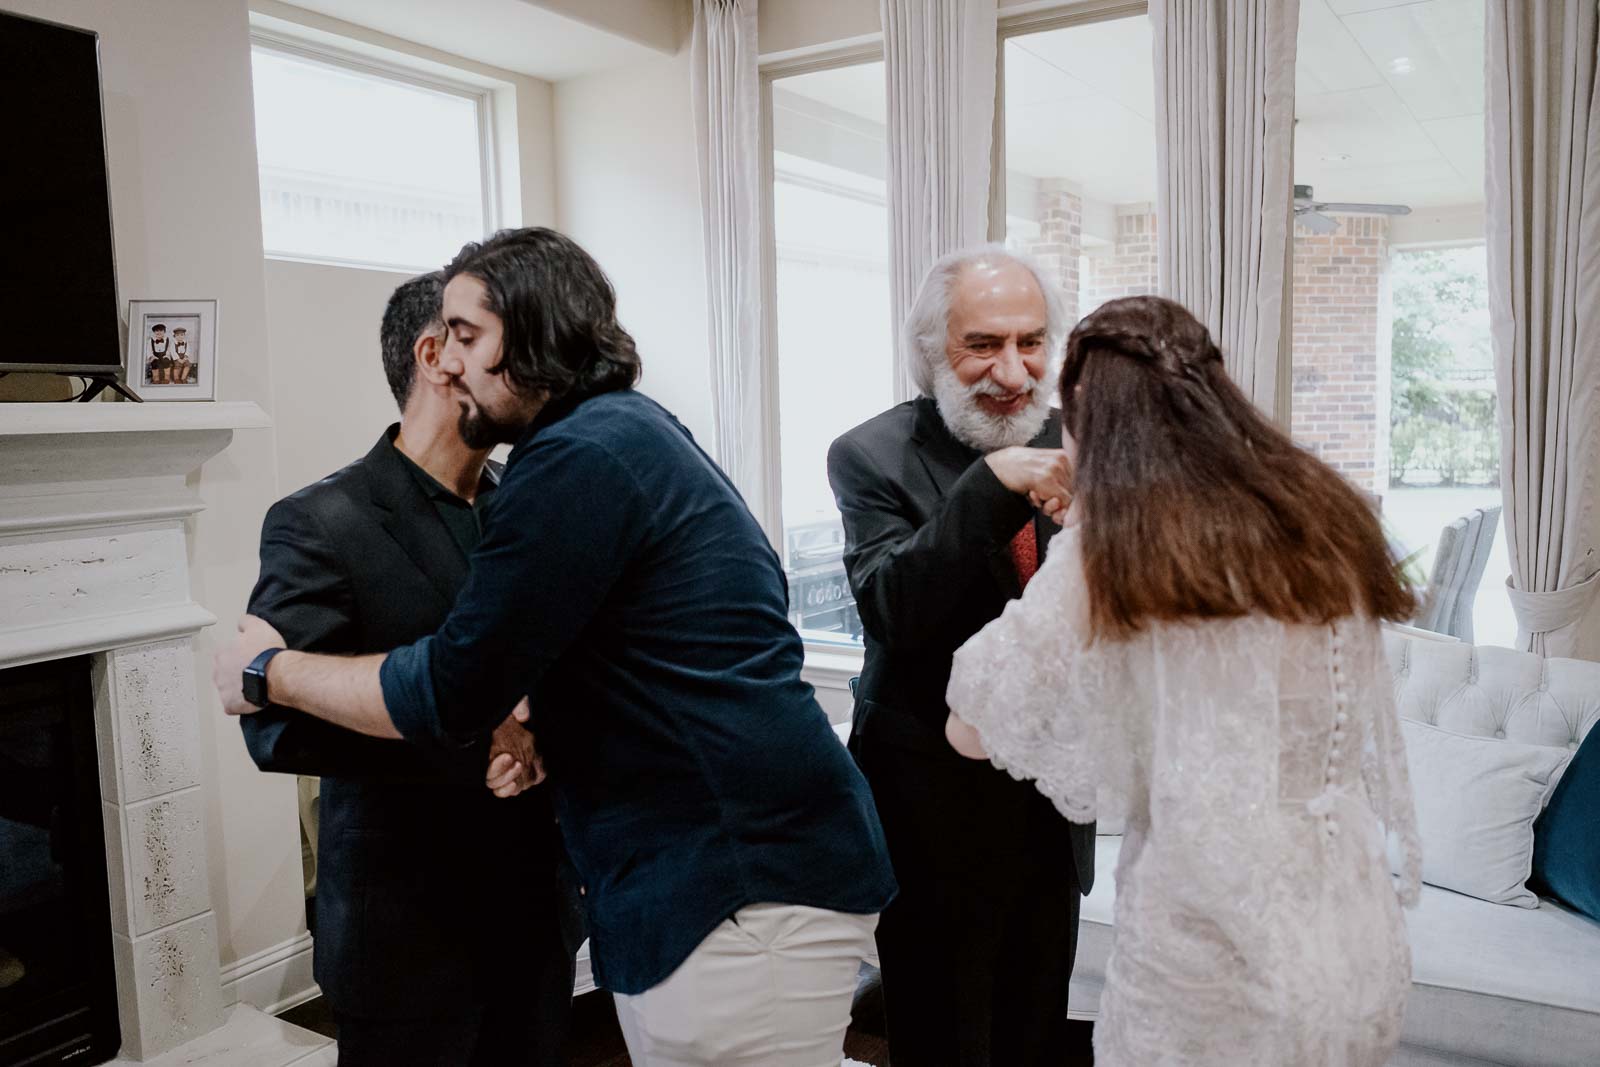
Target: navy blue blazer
624,586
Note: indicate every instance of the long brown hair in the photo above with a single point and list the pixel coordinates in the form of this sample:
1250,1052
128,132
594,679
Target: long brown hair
1195,506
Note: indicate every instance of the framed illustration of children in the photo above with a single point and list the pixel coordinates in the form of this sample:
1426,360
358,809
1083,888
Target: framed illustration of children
172,349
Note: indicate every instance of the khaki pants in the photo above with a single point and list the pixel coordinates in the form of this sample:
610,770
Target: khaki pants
771,986
310,791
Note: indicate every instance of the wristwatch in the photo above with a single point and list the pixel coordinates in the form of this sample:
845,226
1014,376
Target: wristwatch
255,678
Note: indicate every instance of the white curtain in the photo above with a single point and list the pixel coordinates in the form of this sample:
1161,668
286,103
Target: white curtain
940,65
1543,211
727,100
1224,154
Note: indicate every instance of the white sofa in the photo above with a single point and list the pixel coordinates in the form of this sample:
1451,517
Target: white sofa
1492,983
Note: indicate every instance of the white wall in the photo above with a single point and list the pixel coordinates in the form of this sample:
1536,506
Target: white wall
628,191
332,398
798,25
659,24
177,73
788,25
322,321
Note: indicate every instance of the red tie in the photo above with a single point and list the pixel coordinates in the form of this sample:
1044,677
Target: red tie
1025,553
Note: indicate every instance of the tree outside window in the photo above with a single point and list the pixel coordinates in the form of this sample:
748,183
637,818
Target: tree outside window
1442,418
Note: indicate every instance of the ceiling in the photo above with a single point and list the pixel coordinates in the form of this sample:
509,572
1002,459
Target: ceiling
1389,101
856,90
515,35
1080,105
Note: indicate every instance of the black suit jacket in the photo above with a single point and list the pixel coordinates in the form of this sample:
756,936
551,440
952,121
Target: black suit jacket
423,875
928,530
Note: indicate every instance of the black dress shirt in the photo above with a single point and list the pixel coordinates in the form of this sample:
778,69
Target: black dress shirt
463,518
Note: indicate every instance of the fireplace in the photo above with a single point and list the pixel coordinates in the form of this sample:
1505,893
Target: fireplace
58,988
98,683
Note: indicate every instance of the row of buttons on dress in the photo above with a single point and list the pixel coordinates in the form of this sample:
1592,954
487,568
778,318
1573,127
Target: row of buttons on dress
1341,716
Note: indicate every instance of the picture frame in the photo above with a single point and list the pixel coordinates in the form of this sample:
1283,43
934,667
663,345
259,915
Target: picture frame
172,349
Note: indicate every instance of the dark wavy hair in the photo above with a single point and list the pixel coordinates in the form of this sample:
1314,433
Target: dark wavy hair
1195,505
558,312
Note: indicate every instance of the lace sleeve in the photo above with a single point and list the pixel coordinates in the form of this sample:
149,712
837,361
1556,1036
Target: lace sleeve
1387,777
1042,699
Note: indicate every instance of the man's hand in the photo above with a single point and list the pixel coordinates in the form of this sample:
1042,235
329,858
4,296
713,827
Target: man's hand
1054,509
514,763
1043,474
232,657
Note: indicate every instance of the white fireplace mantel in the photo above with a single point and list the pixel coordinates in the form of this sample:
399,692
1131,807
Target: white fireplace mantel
87,464
92,498
94,560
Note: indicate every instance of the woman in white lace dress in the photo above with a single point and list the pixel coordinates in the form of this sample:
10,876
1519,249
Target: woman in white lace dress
1200,655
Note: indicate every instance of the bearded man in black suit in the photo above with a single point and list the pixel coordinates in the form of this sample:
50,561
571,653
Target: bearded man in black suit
947,502
442,936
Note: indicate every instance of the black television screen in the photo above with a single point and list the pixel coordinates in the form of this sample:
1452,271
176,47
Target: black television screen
58,298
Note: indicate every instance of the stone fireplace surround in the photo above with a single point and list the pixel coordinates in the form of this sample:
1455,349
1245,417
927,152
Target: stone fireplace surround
94,559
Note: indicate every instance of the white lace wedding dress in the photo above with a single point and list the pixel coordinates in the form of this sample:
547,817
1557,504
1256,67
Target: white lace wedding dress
1257,922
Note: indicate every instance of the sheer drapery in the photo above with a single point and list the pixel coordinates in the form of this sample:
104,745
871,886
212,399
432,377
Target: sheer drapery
940,62
1224,149
727,100
1543,211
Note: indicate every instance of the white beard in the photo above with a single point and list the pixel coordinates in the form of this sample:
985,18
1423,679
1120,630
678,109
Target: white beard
972,426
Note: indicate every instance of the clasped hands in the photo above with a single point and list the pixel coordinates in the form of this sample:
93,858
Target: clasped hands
1043,474
514,762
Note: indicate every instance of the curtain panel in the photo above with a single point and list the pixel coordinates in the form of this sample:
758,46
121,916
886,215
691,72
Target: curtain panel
1543,219
940,64
727,100
1224,153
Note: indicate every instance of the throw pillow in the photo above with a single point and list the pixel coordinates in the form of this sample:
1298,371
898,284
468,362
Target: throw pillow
1566,839
1477,799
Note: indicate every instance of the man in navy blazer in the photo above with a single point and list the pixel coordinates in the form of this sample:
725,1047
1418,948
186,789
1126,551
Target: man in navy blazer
440,937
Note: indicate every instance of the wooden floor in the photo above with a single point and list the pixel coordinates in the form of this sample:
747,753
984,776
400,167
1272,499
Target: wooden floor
596,1041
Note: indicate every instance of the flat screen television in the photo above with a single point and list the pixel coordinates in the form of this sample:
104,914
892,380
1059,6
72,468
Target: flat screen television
58,284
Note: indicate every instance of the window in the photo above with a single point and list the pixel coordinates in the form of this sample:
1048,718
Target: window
1393,372
833,334
1080,157
360,166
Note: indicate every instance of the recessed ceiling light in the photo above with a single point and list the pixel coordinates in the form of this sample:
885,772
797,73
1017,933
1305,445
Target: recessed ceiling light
1339,157
1400,65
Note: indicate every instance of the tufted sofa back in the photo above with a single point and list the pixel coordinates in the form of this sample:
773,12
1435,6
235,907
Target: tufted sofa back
1486,691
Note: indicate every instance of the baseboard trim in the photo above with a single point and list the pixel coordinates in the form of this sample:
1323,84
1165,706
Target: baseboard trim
273,980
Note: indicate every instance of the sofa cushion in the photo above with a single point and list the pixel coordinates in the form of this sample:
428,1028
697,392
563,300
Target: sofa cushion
1566,839
1477,799
1491,984
1506,985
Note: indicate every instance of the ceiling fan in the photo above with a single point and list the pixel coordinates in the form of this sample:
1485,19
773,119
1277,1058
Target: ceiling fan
1308,210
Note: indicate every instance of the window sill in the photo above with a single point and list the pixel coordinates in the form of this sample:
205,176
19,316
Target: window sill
831,667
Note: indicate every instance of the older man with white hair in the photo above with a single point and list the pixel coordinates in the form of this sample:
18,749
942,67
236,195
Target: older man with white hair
946,501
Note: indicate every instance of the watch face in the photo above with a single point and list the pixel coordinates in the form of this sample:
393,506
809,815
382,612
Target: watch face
255,686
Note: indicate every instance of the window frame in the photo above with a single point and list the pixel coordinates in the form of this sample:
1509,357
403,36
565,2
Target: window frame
1057,17
482,98
829,664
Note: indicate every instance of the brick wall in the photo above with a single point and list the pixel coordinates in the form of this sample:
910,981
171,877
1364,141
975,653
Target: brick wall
1060,242
1341,347
1128,266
